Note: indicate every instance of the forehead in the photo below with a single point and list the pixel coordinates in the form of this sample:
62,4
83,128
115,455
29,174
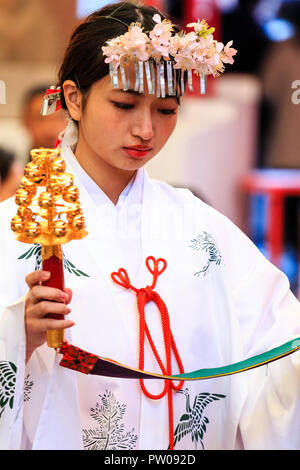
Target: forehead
157,80
120,92
104,87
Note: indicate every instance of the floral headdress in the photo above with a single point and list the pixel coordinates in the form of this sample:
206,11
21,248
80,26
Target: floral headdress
173,56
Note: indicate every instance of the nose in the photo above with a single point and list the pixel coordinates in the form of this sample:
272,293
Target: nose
143,125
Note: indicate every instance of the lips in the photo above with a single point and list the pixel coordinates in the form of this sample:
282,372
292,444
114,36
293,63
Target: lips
137,151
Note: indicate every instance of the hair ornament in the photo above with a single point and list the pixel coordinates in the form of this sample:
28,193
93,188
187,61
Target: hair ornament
52,101
175,57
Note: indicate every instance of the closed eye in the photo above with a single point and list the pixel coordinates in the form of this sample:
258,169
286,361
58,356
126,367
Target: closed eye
122,105
168,111
127,106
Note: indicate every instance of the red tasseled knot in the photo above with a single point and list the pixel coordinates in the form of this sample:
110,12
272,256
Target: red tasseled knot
148,293
144,296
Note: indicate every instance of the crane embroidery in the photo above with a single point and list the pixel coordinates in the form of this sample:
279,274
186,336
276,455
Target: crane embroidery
193,421
205,242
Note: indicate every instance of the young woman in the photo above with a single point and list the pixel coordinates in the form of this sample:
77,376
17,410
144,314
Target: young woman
226,302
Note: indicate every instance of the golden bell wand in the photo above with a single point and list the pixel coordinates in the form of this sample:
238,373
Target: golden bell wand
46,197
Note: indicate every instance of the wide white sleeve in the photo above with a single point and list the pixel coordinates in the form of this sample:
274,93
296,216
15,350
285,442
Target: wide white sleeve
269,315
12,374
13,289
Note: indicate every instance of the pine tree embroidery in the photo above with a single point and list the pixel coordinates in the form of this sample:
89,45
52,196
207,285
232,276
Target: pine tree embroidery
110,433
206,242
193,421
36,250
8,373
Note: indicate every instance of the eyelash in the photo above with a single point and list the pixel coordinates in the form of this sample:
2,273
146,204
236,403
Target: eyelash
122,105
167,112
126,107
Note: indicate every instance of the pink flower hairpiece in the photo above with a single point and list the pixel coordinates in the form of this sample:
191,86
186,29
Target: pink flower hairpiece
185,52
174,56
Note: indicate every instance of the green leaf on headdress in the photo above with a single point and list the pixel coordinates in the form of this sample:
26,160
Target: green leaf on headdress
205,32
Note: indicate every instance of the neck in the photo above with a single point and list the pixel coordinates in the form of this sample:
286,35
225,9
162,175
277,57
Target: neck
111,180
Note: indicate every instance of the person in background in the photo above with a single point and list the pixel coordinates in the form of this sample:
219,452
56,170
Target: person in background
43,130
11,172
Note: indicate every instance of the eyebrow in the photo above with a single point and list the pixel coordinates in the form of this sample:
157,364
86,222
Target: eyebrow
137,93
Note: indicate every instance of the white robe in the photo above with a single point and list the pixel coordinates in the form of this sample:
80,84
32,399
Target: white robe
226,303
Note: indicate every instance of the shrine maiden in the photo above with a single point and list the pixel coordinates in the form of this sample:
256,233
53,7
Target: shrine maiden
225,301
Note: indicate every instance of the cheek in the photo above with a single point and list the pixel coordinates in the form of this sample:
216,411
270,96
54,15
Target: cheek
166,128
103,131
106,125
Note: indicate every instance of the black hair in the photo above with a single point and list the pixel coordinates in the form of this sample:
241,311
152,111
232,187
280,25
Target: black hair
83,61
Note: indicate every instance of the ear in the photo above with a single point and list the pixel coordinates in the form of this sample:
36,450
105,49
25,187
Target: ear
73,99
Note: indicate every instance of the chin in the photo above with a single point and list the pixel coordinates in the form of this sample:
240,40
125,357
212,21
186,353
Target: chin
133,167
135,164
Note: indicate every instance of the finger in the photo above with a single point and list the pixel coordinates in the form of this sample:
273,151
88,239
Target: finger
69,293
51,324
38,293
37,277
41,309
39,327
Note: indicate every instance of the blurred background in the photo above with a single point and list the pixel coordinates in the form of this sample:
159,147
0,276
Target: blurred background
237,147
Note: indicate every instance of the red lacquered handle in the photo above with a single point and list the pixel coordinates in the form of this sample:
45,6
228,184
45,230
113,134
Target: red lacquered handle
55,266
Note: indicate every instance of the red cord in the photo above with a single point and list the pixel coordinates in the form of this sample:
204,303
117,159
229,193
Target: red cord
144,296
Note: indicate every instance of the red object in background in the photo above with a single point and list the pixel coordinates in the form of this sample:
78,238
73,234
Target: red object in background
203,9
277,184
208,10
159,4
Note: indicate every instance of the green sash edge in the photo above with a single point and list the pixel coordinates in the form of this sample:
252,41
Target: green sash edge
255,361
